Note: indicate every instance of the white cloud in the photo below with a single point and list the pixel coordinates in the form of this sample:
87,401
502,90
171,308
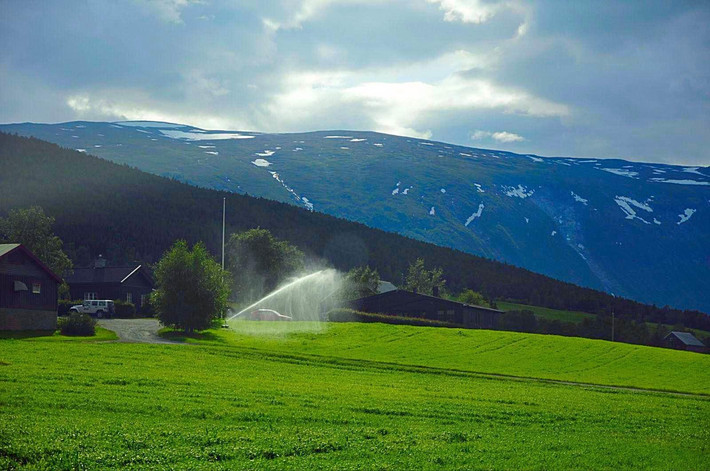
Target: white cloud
500,136
387,101
468,11
167,10
135,106
306,11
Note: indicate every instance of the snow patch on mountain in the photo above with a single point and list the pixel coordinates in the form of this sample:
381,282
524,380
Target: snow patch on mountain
338,137
206,147
686,215
149,124
680,182
475,215
81,150
519,192
625,204
357,140
196,135
478,188
623,172
266,153
211,152
443,190
300,199
377,144
579,198
432,211
693,170
535,159
656,221
261,162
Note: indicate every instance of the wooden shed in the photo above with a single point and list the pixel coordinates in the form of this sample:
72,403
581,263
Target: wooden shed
409,304
684,341
28,291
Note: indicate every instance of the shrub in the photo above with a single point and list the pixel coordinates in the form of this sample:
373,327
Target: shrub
124,310
77,324
63,306
350,315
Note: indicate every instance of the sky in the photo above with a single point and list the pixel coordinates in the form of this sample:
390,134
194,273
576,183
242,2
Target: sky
615,79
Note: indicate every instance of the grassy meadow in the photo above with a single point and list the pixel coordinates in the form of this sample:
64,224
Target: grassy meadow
352,396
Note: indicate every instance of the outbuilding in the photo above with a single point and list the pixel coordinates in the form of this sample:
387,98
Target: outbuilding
684,341
130,283
28,290
410,304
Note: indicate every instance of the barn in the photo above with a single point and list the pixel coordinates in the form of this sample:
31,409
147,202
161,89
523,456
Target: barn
684,341
28,291
409,304
130,283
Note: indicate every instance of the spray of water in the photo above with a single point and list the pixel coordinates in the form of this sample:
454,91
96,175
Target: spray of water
302,302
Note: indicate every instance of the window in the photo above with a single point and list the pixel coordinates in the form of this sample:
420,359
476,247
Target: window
90,295
94,303
102,303
36,287
20,286
129,297
143,298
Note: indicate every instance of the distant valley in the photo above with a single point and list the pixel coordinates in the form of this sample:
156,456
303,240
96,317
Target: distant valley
633,229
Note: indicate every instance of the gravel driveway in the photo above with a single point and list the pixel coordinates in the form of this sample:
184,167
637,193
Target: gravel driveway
135,330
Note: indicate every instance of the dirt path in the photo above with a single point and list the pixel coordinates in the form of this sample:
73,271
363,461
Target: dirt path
135,330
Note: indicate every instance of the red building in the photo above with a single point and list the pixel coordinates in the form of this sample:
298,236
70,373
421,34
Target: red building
28,291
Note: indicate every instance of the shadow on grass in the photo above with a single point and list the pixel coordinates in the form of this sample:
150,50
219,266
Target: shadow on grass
25,334
182,336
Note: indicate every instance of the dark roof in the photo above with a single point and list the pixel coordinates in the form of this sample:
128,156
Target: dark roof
111,275
6,249
687,338
400,298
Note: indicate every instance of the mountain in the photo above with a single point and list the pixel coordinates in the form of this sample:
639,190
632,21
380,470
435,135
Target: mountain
126,215
637,230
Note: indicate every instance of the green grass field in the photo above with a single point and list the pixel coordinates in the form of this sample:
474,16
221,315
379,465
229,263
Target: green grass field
547,313
354,396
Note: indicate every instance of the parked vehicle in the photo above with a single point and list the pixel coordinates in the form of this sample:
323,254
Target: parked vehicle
268,315
95,307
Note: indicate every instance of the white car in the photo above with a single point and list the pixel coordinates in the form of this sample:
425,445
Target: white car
268,315
95,307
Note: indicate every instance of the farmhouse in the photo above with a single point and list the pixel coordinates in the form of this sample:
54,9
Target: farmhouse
130,283
28,291
684,341
409,304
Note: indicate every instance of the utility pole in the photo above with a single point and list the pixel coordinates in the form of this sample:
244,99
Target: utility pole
612,317
224,209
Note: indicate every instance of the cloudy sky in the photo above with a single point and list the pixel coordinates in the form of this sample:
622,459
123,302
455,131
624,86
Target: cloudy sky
552,77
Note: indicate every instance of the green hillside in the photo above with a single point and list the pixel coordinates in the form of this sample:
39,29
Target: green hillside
263,403
484,351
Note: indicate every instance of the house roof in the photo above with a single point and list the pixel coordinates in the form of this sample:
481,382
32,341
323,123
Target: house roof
109,275
687,338
402,298
6,249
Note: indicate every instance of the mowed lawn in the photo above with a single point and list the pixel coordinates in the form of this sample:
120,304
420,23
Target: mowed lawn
241,403
485,351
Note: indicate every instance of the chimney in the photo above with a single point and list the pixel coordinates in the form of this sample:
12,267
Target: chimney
100,262
435,291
